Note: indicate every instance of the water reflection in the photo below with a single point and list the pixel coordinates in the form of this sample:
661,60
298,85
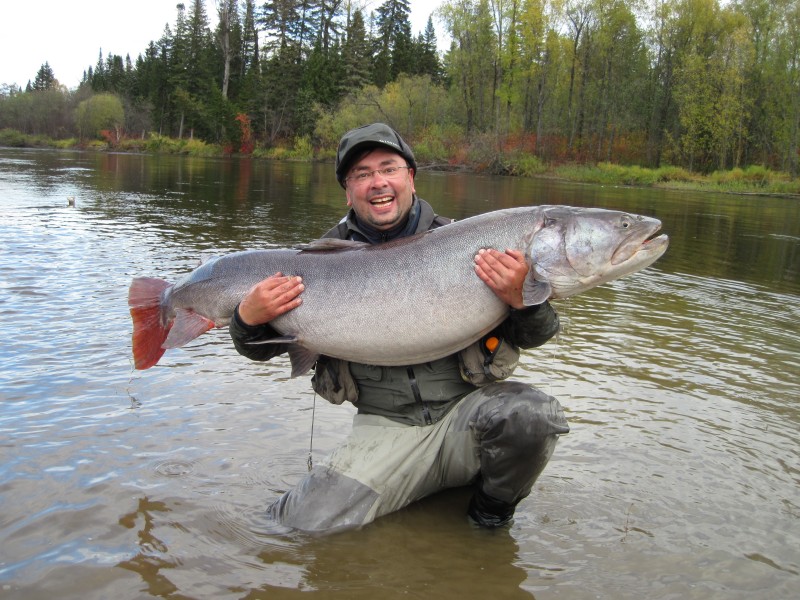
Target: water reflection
399,561
679,478
248,203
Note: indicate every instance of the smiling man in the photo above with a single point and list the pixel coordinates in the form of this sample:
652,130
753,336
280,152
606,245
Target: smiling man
422,428
376,169
380,190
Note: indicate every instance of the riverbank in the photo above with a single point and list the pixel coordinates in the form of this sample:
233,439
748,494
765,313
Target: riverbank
753,180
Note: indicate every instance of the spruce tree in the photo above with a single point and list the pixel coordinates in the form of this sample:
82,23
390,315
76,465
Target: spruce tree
356,55
427,55
393,46
45,79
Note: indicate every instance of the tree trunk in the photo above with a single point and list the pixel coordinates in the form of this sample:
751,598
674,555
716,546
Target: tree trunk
225,44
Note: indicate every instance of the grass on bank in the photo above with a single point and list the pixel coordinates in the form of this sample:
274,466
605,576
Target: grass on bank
11,138
754,179
750,180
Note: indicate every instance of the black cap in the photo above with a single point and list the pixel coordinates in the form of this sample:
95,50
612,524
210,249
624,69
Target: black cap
369,136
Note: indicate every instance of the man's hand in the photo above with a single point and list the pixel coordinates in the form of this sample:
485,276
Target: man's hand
270,298
504,273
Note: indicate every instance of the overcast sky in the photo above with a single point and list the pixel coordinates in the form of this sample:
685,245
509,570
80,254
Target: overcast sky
69,34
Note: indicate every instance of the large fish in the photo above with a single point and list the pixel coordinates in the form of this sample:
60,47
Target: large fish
407,301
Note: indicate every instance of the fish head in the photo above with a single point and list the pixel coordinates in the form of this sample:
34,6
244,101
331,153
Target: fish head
575,249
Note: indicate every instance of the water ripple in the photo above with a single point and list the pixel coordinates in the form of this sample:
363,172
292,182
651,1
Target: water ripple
678,479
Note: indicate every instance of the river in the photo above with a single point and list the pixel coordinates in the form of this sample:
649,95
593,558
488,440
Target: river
679,478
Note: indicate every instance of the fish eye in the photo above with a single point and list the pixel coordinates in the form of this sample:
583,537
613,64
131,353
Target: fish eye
550,221
626,223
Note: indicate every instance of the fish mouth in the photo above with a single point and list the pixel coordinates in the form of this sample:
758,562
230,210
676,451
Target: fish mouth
651,250
656,244
641,245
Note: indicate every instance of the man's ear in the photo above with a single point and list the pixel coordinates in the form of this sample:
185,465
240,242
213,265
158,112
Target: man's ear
347,195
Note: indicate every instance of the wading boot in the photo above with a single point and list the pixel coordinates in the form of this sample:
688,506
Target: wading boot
488,512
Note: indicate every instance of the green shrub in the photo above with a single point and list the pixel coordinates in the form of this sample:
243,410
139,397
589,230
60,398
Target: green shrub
16,139
439,143
328,154
132,145
97,145
612,174
758,175
260,153
430,150
195,147
670,173
274,153
12,138
754,176
160,143
727,178
65,144
529,165
785,186
302,150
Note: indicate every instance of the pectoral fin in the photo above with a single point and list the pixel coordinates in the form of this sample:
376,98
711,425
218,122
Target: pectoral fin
284,339
535,292
302,360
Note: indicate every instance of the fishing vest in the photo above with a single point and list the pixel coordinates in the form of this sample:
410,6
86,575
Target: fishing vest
488,360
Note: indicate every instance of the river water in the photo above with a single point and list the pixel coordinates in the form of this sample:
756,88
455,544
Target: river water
679,478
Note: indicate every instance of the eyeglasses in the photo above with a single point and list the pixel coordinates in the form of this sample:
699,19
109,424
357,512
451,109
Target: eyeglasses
387,172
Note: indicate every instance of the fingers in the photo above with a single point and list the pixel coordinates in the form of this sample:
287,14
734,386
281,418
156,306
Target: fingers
497,267
271,298
504,273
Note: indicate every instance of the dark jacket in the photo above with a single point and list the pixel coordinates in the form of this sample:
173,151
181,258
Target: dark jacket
414,394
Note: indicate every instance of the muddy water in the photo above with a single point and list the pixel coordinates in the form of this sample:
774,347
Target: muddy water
679,478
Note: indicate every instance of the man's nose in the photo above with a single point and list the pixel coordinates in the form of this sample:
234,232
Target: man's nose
379,179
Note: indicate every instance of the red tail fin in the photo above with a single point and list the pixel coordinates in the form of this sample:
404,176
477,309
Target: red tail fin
144,299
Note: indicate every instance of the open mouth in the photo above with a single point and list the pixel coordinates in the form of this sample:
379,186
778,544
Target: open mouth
642,245
655,242
381,201
649,250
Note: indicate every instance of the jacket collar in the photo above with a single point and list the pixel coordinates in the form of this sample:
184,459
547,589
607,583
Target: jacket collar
419,219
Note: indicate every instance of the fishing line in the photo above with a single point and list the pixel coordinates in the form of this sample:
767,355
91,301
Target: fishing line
310,461
564,309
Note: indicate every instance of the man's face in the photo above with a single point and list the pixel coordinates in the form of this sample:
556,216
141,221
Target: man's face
381,201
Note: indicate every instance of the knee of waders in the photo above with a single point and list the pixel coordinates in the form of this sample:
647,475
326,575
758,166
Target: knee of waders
524,414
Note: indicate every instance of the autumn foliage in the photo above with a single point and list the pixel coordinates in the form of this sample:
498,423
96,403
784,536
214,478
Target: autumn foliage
246,143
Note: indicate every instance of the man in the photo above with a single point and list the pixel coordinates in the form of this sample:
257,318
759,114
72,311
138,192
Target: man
419,428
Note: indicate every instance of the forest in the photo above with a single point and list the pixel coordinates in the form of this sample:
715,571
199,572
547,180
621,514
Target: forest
704,85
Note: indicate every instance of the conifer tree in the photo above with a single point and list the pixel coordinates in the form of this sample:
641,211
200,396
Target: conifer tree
426,61
356,55
45,79
248,97
249,49
393,48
